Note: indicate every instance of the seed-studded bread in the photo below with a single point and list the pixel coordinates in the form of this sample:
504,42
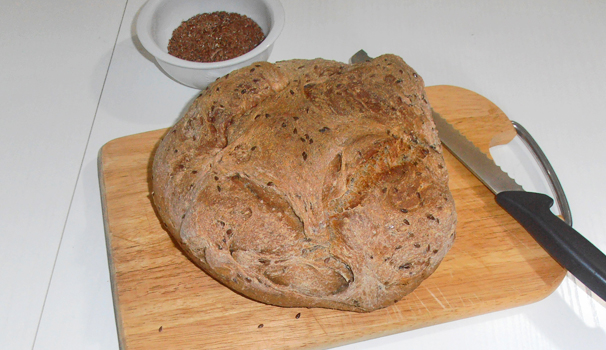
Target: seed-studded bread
310,183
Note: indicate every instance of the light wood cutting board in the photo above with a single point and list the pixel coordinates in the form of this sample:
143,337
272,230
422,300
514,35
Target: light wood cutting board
163,301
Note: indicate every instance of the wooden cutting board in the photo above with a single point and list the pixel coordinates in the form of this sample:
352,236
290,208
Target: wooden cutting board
163,301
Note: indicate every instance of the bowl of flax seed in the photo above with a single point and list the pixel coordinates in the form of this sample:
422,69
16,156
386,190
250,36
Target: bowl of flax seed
197,41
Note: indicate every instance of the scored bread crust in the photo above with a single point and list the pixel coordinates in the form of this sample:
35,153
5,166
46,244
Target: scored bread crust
309,183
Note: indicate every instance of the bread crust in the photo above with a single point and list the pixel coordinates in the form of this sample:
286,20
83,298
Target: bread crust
310,183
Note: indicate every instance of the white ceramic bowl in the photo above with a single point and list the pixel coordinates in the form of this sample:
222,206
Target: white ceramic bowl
159,18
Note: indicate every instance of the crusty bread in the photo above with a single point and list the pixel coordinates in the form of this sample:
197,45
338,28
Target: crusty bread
310,183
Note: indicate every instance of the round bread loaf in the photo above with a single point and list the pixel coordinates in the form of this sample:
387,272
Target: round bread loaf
309,183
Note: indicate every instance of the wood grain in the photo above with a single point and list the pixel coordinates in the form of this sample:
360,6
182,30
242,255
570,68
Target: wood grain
163,301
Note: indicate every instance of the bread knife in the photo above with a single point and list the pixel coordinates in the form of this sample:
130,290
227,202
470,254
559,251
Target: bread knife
532,210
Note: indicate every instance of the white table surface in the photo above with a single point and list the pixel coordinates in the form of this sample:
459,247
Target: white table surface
73,76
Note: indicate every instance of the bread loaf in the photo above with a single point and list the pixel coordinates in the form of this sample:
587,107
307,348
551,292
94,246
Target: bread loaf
309,183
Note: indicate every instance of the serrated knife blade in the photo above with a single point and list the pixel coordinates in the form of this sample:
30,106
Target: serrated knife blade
475,160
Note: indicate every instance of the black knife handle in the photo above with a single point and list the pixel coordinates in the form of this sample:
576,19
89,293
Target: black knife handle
565,245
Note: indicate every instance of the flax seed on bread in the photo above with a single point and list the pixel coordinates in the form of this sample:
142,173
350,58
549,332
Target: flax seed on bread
310,183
